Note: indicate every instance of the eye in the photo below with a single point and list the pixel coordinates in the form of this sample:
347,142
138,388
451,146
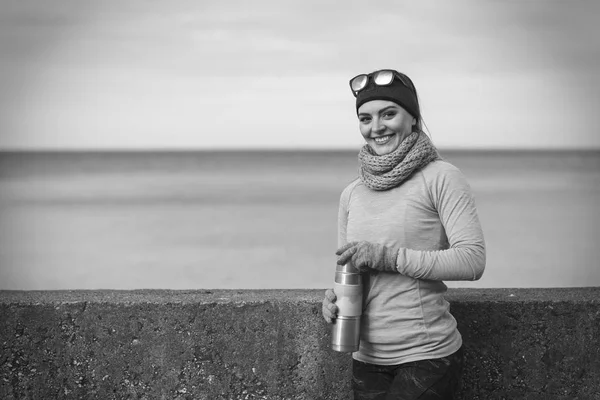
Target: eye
364,120
389,114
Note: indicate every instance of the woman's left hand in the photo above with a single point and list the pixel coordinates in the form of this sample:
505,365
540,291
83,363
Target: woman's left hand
365,255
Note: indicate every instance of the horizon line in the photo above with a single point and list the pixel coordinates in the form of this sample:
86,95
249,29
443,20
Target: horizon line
282,150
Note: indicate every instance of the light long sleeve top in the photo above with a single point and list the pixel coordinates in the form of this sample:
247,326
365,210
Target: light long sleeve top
433,220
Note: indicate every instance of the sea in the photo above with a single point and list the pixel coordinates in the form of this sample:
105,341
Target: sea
268,219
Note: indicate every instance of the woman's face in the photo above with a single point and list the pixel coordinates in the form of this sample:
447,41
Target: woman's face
384,125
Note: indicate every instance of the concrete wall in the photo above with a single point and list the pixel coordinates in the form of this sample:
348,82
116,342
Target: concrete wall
274,344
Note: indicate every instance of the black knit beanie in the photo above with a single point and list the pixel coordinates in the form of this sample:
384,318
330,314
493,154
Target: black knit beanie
396,92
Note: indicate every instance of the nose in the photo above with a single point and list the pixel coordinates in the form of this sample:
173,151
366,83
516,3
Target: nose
376,126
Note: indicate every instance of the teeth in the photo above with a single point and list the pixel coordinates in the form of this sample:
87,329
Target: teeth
383,139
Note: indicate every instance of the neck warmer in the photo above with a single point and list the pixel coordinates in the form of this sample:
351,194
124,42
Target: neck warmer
390,170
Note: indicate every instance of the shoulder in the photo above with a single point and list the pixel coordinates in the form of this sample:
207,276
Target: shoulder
347,192
441,174
439,167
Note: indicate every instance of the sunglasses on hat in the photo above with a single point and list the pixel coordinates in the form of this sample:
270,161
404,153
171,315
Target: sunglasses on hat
382,77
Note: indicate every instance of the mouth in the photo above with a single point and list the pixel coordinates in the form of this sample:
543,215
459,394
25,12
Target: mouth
383,139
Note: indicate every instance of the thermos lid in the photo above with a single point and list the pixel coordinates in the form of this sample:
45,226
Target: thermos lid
345,278
346,268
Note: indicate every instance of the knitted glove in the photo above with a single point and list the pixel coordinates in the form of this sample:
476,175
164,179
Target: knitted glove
364,255
329,309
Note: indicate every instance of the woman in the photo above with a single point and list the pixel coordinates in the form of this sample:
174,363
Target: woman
408,223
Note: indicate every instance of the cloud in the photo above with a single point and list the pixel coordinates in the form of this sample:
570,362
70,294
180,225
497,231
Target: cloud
68,63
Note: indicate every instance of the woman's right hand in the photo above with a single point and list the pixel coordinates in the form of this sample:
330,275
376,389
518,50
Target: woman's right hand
330,310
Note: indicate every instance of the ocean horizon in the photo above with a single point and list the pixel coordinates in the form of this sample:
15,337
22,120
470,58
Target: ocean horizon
259,219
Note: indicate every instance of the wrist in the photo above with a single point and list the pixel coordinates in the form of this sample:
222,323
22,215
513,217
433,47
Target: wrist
392,259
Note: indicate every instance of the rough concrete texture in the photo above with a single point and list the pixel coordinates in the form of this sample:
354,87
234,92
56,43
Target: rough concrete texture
274,344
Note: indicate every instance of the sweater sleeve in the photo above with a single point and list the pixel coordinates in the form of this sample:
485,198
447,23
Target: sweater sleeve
465,257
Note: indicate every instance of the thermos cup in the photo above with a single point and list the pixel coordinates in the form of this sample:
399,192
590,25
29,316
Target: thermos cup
348,288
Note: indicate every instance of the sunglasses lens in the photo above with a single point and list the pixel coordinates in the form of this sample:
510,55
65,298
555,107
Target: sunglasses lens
383,77
359,83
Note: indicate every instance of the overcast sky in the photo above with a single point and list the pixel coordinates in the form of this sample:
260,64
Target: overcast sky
274,74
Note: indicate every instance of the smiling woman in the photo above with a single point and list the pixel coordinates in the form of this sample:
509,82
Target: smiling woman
407,224
387,107
384,125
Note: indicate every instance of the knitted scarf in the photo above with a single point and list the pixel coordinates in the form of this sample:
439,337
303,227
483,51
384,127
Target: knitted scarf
390,170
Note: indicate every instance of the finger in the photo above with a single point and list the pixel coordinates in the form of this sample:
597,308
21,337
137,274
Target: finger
333,309
344,248
361,261
327,316
364,268
329,313
330,295
329,307
347,255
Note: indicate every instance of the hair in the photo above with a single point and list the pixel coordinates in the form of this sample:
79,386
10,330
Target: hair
420,122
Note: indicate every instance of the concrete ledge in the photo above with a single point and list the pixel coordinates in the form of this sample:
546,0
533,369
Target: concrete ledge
274,344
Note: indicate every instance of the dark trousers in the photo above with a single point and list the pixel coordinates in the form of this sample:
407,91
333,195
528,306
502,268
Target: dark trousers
437,379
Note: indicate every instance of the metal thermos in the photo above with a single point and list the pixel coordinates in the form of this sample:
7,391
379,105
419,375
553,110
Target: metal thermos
348,288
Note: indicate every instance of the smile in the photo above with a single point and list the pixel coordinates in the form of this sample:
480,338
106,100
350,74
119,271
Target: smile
383,139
